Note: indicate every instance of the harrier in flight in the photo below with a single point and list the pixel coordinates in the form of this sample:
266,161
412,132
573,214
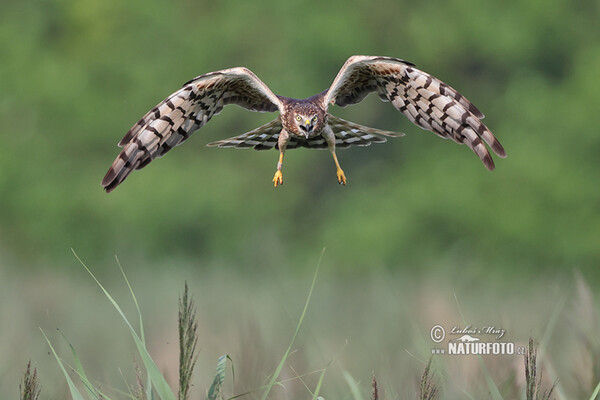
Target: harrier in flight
425,100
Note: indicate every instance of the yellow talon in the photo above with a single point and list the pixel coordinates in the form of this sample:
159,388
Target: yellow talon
278,178
341,177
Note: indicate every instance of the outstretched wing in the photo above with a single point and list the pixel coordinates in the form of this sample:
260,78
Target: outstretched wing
425,100
174,119
346,134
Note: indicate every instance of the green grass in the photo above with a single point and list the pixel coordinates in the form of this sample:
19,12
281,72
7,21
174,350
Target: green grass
369,316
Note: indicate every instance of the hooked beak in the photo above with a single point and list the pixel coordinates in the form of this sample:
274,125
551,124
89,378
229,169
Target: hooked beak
307,128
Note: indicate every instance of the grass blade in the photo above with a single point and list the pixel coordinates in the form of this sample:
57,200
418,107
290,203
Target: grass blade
556,312
216,390
315,395
75,395
142,335
91,390
287,352
596,391
354,389
158,380
486,373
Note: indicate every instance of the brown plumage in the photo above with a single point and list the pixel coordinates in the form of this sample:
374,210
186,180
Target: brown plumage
426,101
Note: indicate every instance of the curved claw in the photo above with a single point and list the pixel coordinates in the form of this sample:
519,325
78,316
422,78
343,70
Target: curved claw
278,178
341,177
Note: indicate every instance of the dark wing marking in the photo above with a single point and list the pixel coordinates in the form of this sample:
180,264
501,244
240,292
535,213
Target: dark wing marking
174,119
428,102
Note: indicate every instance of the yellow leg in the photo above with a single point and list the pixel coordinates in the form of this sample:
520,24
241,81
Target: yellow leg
330,138
278,178
340,173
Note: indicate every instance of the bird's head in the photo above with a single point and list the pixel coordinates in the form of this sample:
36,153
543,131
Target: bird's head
307,120
306,123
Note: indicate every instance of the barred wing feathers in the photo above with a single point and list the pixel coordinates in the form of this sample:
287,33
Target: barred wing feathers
352,134
428,102
174,119
262,138
346,134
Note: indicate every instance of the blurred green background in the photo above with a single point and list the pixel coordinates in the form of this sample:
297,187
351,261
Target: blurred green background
76,75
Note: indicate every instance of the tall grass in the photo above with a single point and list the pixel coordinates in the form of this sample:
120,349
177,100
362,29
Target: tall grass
29,388
151,384
533,382
428,389
188,341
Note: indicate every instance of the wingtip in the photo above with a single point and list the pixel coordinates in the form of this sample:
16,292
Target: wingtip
107,186
489,162
109,177
111,180
498,149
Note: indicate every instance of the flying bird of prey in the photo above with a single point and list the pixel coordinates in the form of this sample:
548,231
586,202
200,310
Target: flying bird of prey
425,100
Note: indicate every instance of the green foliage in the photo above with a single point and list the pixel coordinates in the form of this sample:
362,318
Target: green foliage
78,74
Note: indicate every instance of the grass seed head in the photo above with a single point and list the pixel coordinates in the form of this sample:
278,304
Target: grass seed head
29,388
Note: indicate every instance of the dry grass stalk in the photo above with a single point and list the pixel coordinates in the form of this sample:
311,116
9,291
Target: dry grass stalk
139,392
428,390
29,388
374,390
533,389
188,340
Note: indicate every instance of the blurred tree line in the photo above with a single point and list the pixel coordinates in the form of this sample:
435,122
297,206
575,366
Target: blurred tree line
76,75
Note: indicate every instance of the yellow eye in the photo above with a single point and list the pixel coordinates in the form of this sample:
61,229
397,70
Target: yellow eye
298,118
315,120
